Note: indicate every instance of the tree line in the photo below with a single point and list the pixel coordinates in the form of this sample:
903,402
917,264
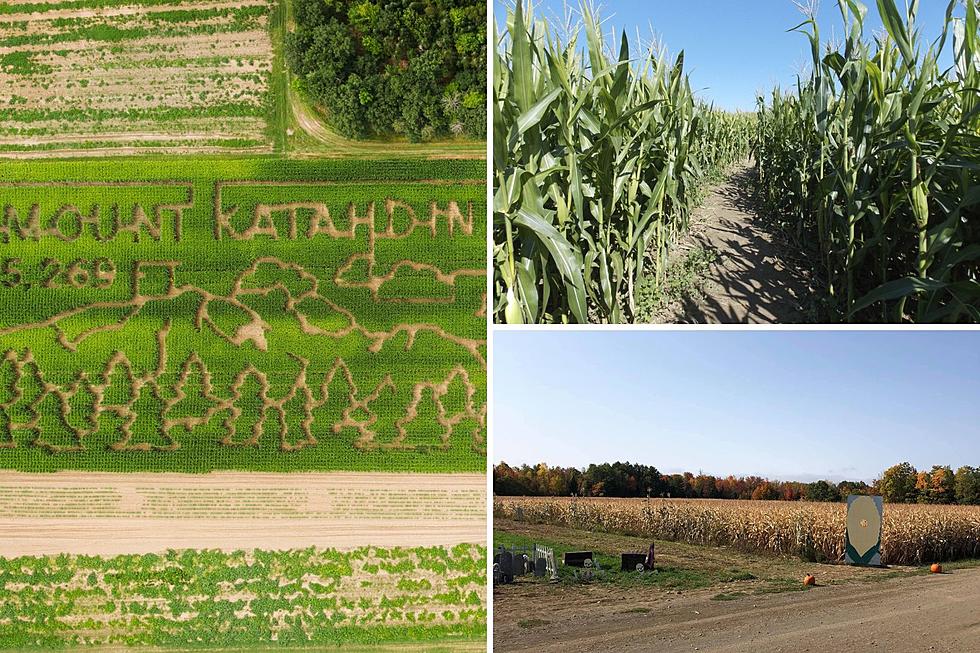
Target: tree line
413,68
900,483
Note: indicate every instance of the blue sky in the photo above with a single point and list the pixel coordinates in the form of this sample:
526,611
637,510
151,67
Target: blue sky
733,48
787,405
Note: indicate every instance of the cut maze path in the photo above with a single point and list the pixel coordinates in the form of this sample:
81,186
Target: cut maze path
97,513
757,278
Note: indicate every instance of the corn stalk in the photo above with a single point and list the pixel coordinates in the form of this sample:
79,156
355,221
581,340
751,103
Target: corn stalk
598,160
875,162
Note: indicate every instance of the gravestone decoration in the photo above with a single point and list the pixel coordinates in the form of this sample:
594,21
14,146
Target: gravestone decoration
506,561
547,554
633,562
521,566
864,518
540,567
577,558
651,560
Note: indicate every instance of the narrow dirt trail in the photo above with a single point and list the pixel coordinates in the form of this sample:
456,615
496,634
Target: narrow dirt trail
756,279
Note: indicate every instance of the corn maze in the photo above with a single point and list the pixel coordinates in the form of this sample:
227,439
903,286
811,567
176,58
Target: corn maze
234,314
286,599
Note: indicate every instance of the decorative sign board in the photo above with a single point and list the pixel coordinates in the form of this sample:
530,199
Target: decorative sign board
864,517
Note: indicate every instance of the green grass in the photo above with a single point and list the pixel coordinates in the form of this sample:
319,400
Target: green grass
666,577
684,279
279,97
360,379
111,34
210,599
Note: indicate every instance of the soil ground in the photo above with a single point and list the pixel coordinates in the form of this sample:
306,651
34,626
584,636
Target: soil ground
757,277
850,609
108,514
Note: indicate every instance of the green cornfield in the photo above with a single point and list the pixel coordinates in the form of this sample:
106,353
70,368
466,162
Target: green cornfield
243,313
598,160
873,163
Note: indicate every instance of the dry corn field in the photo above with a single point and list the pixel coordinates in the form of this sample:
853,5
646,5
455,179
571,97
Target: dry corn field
913,534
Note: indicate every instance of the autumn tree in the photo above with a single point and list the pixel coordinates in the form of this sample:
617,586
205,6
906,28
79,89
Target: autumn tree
765,492
942,484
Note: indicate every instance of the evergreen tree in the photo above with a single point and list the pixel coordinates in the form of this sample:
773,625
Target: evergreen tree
147,432
54,433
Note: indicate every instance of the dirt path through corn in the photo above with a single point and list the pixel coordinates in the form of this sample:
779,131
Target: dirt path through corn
921,613
756,279
111,514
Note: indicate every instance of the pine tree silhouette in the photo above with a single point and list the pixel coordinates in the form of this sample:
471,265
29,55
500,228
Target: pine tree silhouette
295,421
420,427
54,433
82,415
334,395
194,396
147,432
31,390
119,377
8,381
244,426
116,417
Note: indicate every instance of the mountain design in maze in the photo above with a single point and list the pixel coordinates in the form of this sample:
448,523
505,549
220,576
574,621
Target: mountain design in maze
270,324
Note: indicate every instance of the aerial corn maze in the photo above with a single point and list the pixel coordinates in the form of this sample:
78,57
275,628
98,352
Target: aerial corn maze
866,171
242,379
232,314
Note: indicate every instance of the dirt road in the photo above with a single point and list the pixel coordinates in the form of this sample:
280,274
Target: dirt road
756,278
109,514
920,613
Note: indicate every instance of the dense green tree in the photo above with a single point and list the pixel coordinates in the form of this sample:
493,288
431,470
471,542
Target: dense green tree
846,488
414,68
821,491
897,483
967,485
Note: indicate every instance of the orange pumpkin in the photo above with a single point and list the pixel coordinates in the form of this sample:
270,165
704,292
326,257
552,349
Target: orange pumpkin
936,568
809,580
